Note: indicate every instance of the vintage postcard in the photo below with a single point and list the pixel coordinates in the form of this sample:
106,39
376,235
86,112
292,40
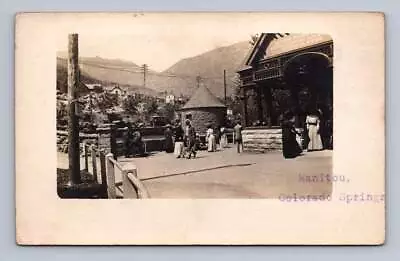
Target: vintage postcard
200,128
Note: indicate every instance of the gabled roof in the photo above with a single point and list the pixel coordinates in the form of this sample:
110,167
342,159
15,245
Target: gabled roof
254,51
203,98
270,45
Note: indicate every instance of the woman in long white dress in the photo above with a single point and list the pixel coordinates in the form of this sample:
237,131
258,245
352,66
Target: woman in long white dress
313,125
224,139
210,137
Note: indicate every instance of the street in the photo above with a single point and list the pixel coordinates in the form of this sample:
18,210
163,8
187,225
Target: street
227,174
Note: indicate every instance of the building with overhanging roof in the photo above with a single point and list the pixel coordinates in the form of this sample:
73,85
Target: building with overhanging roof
284,72
203,108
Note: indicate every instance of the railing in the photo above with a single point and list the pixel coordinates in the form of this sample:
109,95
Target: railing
130,187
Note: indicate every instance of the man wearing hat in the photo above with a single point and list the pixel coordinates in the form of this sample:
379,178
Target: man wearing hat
169,144
190,138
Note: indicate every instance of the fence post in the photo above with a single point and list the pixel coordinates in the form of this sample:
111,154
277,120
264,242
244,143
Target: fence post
140,188
113,140
129,189
94,162
111,191
103,168
85,150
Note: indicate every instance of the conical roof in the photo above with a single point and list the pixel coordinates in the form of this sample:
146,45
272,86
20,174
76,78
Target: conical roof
203,98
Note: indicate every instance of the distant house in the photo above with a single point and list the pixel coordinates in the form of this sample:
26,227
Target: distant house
170,98
95,87
115,89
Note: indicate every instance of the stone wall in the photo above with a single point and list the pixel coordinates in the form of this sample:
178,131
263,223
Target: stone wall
153,142
201,117
62,140
263,139
104,140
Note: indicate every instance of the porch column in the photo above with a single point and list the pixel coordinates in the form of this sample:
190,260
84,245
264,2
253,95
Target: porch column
295,99
268,103
258,90
244,106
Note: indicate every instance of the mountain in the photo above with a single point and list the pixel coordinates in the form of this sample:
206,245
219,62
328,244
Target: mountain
210,66
179,79
105,72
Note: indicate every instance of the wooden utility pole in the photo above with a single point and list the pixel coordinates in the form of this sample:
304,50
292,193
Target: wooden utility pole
144,68
198,79
225,86
73,122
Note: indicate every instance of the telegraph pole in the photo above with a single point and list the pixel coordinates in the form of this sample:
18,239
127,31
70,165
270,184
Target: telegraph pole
198,79
73,122
225,86
144,68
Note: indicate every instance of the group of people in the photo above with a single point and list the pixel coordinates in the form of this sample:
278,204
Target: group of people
182,141
317,134
216,138
134,143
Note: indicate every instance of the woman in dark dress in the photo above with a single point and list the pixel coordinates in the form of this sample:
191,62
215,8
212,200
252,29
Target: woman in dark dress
178,138
128,141
217,133
169,144
291,148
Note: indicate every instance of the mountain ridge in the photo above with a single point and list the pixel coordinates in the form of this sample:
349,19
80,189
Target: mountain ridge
181,78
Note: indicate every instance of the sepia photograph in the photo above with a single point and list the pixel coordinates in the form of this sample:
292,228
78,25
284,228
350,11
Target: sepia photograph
200,128
242,116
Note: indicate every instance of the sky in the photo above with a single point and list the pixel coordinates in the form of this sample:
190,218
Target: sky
158,50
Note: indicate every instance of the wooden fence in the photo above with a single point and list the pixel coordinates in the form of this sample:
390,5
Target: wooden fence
129,187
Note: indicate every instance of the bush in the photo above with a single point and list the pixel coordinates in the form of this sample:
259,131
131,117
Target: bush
87,189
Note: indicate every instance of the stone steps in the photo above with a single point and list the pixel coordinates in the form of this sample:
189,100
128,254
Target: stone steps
262,140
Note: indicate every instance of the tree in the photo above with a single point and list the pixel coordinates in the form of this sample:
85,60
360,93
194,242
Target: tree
130,104
168,111
62,113
107,101
151,107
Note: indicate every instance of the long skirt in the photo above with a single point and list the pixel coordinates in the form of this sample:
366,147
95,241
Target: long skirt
169,145
179,149
291,148
315,142
224,141
212,146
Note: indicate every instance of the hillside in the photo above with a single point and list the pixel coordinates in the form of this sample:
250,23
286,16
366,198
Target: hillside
180,78
210,66
103,71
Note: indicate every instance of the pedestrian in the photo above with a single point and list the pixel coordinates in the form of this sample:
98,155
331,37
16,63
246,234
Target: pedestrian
329,132
313,126
217,134
137,142
210,138
169,144
291,148
224,139
128,141
179,151
238,136
190,137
